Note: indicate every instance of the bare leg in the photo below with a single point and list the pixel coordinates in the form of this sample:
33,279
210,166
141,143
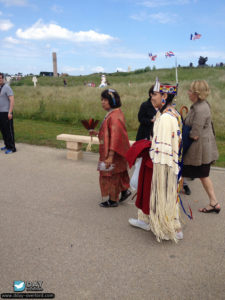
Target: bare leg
208,186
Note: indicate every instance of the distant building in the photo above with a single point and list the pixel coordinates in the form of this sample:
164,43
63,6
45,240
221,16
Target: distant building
46,74
64,74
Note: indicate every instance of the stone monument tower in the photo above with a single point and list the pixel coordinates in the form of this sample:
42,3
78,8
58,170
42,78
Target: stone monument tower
54,58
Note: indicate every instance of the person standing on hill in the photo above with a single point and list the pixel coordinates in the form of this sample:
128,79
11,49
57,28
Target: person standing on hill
146,117
34,80
6,116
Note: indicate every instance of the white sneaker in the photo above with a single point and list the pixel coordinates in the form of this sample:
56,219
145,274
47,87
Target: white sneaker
140,224
179,235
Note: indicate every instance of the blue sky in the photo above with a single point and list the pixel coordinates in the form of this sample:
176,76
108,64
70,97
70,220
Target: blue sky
105,36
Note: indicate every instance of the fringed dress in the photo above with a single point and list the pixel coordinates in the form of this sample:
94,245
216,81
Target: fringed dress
166,157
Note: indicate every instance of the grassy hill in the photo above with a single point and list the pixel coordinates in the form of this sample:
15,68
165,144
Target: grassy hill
137,76
52,102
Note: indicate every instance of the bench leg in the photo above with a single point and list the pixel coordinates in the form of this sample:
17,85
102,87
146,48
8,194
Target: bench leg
74,151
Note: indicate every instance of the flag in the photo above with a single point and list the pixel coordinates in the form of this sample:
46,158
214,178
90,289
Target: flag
152,57
195,36
169,54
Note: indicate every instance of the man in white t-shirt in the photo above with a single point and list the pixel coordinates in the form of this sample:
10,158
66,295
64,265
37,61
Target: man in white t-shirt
6,116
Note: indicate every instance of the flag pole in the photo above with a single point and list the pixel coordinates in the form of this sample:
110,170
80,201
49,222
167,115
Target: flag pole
176,70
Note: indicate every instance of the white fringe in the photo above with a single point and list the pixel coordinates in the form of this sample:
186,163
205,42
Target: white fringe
164,209
88,148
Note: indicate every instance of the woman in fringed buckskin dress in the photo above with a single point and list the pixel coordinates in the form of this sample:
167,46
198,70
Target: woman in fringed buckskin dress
165,153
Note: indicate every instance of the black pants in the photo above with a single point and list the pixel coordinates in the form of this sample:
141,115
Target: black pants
7,130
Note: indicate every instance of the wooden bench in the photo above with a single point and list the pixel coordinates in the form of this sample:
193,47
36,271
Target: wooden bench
74,144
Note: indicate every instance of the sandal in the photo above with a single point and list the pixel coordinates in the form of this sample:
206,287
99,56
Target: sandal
214,209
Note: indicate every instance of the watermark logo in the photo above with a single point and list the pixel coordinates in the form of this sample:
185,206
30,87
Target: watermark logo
19,286
34,286
27,290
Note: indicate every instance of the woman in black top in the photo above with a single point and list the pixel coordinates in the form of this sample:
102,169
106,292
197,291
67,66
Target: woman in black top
146,118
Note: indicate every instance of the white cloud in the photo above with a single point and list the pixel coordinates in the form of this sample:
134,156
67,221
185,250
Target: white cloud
140,17
163,18
123,54
69,69
5,25
98,69
120,70
41,31
157,17
159,3
0,13
14,2
11,40
57,9
24,51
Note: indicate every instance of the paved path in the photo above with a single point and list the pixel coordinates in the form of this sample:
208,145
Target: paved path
52,230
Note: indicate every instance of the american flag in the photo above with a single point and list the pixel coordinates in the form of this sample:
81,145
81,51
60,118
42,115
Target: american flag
169,54
152,57
195,36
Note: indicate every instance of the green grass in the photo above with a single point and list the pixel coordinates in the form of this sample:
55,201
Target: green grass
50,101
44,133
52,106
137,76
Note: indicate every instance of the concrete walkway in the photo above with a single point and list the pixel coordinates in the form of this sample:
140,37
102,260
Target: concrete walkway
52,230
